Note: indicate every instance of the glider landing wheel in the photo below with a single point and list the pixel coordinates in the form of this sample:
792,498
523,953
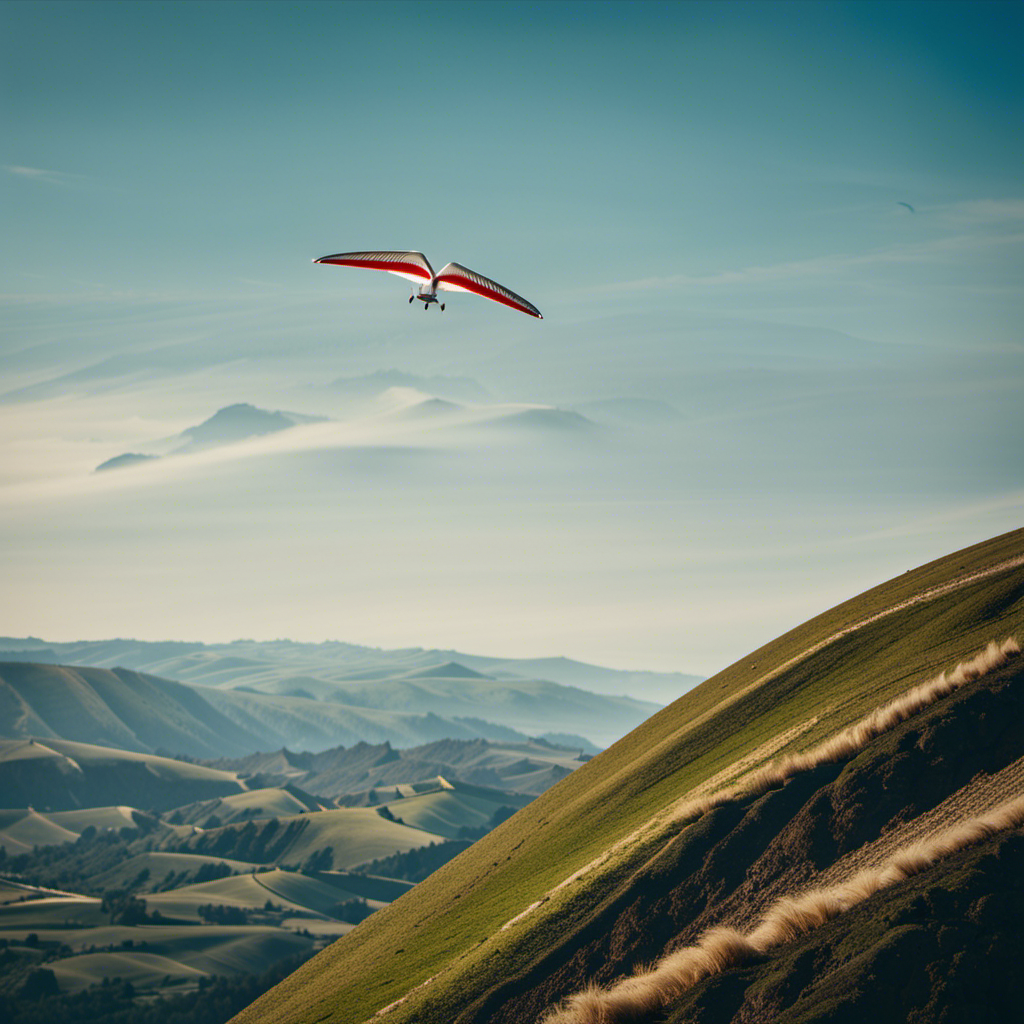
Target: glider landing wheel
442,307
411,297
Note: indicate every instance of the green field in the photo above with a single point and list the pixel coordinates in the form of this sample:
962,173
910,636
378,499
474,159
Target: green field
257,803
350,836
175,955
60,775
21,830
448,811
161,864
287,890
185,953
615,812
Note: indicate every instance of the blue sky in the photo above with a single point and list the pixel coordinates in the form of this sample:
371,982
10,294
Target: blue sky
703,198
192,145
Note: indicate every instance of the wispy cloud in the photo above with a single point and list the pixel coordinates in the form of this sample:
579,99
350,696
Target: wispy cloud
39,174
831,264
1005,212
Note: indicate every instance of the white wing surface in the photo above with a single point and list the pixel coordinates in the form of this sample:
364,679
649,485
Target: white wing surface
413,266
456,278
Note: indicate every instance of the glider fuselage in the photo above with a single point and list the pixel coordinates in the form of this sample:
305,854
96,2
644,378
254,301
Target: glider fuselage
428,292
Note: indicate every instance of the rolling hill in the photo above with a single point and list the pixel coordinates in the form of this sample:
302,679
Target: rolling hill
279,665
336,839
287,890
829,829
354,775
22,829
229,425
216,714
59,775
269,802
182,953
113,708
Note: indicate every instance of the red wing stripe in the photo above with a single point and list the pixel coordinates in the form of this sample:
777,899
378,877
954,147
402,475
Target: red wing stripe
471,285
390,265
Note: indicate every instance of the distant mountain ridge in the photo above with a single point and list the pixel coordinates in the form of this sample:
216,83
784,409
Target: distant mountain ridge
239,422
145,712
228,425
358,775
335,661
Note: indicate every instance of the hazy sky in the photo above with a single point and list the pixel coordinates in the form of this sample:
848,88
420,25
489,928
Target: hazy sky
706,200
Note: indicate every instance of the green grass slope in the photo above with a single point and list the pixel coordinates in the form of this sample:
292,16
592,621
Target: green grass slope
23,829
450,809
164,868
60,775
185,953
339,839
288,890
51,912
115,708
443,947
274,802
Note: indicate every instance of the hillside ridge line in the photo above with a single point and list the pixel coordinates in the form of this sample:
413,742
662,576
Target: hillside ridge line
846,742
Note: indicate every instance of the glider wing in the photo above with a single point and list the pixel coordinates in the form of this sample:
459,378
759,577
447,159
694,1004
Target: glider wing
413,266
456,278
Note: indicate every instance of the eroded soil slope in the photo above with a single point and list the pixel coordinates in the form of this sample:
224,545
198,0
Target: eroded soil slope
932,946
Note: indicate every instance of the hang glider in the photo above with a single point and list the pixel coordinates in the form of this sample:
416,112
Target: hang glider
415,267
899,202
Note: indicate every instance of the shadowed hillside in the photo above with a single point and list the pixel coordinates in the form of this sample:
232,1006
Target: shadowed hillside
115,708
366,772
137,711
282,665
62,776
824,870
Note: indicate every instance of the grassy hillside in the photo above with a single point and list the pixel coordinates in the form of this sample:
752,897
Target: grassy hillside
288,891
361,774
23,829
162,867
280,665
453,809
130,710
443,951
58,775
178,935
186,953
272,802
334,839
115,708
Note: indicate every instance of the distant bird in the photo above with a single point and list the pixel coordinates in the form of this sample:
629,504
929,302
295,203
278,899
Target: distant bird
413,266
907,205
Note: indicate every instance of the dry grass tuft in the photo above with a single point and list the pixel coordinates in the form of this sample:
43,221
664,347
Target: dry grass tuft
635,999
647,992
855,738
